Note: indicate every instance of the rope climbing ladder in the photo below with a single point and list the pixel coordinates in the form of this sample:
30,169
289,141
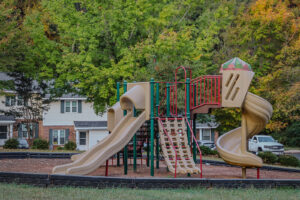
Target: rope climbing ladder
175,147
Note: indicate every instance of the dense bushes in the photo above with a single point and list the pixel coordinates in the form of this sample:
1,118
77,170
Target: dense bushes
268,157
288,160
290,136
11,144
207,151
70,146
60,148
40,144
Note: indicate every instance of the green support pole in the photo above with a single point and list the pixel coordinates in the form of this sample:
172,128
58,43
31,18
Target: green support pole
125,148
148,149
118,99
157,134
168,99
188,115
134,145
152,126
194,129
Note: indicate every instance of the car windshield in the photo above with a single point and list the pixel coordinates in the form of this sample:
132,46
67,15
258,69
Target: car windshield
266,139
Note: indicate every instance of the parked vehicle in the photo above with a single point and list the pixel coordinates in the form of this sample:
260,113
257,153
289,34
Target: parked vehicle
207,143
263,143
23,144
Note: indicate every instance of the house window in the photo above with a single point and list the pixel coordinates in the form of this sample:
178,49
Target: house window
74,106
59,137
10,101
3,132
68,106
71,106
20,101
82,138
24,131
206,134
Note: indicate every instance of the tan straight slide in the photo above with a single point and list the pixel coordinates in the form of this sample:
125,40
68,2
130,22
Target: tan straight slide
111,145
232,147
122,130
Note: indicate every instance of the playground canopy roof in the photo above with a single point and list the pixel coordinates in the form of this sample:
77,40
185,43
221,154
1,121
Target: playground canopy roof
236,64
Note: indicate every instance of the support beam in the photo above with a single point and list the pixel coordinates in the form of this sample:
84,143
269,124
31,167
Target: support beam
125,148
118,99
134,145
157,134
244,173
188,115
168,99
152,125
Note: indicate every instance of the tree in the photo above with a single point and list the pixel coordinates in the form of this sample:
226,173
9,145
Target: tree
27,102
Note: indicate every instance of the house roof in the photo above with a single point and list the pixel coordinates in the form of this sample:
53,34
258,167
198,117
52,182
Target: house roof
6,118
90,124
68,96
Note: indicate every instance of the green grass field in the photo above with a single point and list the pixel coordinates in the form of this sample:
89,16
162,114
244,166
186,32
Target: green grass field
12,191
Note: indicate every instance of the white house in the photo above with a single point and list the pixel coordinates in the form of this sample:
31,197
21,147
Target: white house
72,118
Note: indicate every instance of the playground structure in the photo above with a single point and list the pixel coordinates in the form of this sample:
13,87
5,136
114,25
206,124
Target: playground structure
176,127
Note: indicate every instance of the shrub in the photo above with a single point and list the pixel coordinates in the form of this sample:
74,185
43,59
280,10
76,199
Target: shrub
70,146
268,157
40,144
11,144
289,160
60,148
207,151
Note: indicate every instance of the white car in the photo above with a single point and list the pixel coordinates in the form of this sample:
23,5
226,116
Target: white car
207,143
263,143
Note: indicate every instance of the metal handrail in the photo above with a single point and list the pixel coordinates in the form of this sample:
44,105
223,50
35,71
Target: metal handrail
194,138
165,131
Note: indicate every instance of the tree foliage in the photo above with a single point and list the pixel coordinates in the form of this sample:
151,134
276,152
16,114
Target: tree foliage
85,47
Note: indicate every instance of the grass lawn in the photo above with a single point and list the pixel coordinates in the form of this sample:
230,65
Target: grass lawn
12,191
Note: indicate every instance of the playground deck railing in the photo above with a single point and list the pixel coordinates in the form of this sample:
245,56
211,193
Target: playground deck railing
206,90
194,139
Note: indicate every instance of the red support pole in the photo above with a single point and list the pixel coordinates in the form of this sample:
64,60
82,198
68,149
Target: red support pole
106,168
200,91
204,88
215,89
207,92
211,89
171,96
193,95
197,93
219,89
258,173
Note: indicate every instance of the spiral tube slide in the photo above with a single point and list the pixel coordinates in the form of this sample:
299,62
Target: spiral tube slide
232,146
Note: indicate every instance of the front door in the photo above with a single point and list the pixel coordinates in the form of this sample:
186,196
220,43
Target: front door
3,134
83,141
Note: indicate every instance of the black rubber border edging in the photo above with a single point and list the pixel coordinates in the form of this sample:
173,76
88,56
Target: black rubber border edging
50,155
23,155
46,180
221,163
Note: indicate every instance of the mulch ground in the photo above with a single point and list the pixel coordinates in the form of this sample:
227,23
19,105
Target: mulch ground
209,171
